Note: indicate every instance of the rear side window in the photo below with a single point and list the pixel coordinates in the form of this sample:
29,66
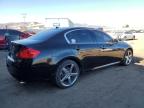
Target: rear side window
101,37
80,37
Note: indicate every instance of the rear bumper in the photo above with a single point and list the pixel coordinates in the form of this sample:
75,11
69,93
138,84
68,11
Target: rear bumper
16,71
26,72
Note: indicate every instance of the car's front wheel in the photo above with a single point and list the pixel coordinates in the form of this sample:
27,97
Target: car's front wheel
128,57
66,74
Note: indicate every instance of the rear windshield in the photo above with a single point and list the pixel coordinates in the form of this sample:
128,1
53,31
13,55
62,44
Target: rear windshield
44,35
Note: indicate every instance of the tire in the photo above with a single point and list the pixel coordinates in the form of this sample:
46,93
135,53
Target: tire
128,57
66,74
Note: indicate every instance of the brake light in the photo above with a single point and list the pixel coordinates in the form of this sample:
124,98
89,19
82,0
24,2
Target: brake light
27,53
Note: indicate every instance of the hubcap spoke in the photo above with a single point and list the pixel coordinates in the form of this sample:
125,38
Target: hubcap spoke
73,74
71,68
69,80
64,78
127,61
65,70
126,58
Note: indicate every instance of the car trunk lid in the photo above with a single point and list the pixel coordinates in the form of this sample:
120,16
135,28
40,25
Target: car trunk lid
17,46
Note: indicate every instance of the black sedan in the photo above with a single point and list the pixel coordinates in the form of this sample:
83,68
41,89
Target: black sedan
61,54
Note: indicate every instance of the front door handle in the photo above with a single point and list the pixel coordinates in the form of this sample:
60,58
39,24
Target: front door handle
102,47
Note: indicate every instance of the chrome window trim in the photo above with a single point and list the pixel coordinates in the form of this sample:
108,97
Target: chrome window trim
65,35
67,40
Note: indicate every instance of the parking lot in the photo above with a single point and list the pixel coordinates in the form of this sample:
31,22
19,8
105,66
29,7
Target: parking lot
112,87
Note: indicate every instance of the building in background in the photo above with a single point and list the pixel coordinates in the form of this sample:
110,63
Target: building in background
58,22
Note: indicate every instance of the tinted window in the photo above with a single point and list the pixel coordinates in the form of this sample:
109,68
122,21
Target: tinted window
107,38
44,35
81,36
101,37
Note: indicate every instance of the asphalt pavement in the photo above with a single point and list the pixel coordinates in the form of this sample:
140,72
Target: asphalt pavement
112,87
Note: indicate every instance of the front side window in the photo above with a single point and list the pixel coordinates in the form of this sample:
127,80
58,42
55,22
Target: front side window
80,37
101,37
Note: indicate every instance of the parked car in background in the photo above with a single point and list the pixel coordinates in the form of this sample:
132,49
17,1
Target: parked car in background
127,36
116,34
61,54
3,43
8,35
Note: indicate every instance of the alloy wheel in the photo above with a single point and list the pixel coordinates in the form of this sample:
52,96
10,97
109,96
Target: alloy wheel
67,74
128,57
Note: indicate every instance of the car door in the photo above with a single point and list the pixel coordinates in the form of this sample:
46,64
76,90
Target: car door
86,49
109,52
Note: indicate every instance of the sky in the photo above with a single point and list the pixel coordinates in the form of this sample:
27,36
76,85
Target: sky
92,12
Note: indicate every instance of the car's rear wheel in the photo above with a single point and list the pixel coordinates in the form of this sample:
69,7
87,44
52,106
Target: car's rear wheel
66,74
128,57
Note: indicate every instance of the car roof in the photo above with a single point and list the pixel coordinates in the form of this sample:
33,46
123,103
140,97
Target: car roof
74,28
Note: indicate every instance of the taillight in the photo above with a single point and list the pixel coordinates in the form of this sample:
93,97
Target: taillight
27,53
